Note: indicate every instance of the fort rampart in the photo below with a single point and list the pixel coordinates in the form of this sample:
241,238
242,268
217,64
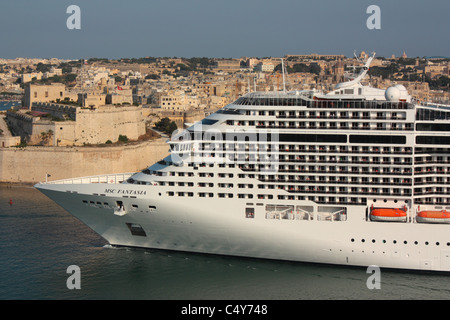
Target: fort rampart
31,164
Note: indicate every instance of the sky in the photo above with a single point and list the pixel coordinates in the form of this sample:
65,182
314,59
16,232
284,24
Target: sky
116,29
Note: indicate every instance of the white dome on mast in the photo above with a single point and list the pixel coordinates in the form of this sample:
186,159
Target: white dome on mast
396,93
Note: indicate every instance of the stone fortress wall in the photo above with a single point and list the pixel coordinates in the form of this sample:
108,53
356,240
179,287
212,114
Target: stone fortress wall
31,164
82,125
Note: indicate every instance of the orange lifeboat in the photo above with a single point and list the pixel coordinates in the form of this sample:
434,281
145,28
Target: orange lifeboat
429,216
388,214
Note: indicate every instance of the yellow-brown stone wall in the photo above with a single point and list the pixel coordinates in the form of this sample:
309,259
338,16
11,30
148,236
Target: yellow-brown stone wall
31,164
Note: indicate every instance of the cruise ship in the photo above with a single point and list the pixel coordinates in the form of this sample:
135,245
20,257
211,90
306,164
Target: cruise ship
357,176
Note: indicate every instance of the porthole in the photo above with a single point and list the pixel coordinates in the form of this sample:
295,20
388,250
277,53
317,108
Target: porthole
395,241
353,240
426,243
437,243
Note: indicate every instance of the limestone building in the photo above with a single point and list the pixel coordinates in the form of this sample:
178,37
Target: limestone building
264,67
227,65
28,77
43,93
61,125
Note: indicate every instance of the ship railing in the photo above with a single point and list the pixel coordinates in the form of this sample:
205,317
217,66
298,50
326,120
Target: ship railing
276,99
434,104
107,178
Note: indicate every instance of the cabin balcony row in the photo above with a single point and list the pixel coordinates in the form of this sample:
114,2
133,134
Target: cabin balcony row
356,115
269,146
328,125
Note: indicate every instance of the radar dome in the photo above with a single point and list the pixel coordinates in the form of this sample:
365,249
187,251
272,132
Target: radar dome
396,93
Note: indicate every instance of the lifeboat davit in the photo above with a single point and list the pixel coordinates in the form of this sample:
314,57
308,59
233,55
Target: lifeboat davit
388,214
430,216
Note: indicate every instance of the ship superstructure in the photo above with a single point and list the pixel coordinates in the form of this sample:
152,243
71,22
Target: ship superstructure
357,176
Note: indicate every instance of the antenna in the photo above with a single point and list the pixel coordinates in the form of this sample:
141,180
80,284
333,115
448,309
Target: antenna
356,57
284,81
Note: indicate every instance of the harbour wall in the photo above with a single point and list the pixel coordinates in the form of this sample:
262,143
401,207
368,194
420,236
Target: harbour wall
30,165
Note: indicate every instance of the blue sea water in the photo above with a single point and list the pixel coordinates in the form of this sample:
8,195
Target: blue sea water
5,105
39,241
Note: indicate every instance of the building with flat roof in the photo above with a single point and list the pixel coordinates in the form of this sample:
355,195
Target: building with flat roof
315,56
64,125
264,67
43,93
227,65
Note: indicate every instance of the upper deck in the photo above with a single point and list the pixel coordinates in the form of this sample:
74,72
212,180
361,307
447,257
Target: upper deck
275,100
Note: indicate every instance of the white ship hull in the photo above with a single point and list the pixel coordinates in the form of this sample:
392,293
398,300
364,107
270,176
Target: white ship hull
291,176
219,227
